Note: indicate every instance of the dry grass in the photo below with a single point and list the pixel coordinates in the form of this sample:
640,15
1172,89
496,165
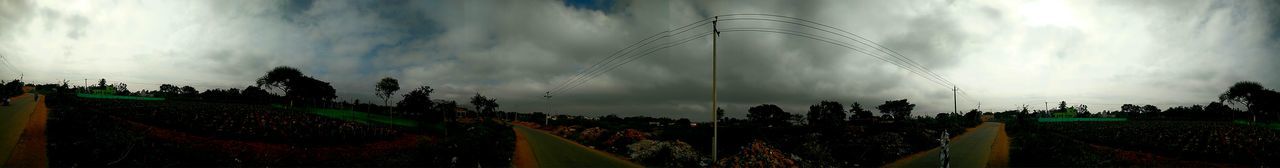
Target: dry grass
999,150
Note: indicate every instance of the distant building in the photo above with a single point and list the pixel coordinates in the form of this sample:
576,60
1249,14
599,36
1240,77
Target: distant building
1068,113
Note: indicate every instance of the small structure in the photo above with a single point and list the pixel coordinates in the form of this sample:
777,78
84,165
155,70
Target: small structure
1065,113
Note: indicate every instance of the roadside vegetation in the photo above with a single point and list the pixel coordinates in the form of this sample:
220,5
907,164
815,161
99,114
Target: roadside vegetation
1213,135
289,119
108,125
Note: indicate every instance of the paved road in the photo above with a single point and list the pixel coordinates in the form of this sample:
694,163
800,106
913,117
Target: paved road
553,151
13,119
971,149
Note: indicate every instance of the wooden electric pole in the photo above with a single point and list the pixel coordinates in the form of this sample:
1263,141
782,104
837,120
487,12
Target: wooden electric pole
955,100
715,118
546,118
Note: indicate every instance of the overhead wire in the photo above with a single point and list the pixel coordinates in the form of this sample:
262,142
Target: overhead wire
604,62
893,52
607,64
823,39
900,63
671,44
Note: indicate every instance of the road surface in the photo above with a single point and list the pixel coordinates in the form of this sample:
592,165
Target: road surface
14,119
552,151
971,149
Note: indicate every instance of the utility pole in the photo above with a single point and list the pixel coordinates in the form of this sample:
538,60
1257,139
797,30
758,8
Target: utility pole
955,100
546,119
715,118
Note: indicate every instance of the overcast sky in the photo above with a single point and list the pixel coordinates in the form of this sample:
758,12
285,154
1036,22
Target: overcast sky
1004,54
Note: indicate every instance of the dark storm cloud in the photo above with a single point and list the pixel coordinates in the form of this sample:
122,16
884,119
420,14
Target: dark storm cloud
1005,53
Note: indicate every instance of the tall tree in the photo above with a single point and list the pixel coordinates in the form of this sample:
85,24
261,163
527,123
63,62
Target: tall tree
484,105
899,109
310,90
280,78
419,101
857,112
122,89
1257,100
1150,109
188,91
169,90
102,83
768,116
826,114
385,88
1130,109
255,94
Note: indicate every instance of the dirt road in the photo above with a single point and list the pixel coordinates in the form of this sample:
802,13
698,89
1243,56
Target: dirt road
552,151
22,138
971,149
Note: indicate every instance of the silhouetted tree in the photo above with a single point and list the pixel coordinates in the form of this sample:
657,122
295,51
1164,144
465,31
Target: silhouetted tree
1083,109
720,113
899,109
385,88
857,112
12,88
279,78
484,105
310,89
1257,100
102,83
419,101
1130,110
1150,109
768,116
188,91
122,89
170,90
255,94
826,114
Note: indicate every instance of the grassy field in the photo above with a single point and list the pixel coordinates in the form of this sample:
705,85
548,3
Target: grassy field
363,117
552,151
1275,126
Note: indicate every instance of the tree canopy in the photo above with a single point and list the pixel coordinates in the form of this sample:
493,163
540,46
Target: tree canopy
279,78
386,87
826,114
768,116
899,109
483,104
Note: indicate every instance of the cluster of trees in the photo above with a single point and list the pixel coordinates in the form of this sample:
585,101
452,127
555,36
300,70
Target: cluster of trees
1259,104
297,86
11,88
827,115
828,134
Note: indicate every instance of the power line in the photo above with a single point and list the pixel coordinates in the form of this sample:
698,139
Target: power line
633,58
898,55
910,65
629,49
608,64
814,37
